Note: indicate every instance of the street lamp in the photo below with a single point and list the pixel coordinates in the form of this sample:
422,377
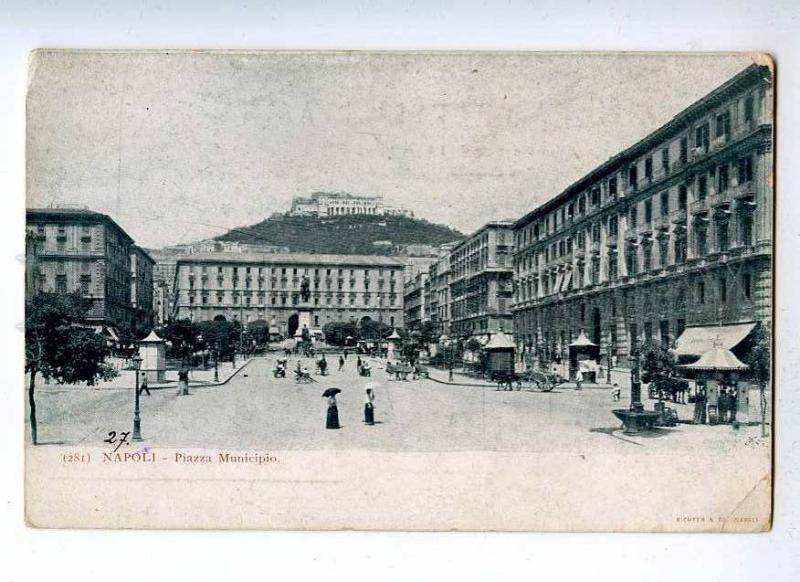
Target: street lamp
137,422
216,362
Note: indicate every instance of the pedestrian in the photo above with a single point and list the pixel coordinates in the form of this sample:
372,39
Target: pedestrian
183,381
358,363
369,405
144,387
616,392
578,379
341,362
332,421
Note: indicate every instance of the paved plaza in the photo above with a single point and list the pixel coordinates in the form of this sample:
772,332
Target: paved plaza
254,410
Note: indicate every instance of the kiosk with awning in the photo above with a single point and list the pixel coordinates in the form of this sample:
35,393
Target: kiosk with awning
718,368
583,354
500,351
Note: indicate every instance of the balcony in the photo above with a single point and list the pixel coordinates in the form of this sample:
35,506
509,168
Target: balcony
697,152
645,228
678,216
719,141
661,222
720,199
699,206
596,248
743,191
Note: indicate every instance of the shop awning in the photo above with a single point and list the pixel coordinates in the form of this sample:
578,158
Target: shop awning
696,341
500,341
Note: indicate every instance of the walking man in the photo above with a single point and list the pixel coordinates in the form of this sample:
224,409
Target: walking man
143,387
578,379
615,392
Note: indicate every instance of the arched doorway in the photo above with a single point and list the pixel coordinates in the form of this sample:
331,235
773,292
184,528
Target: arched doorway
219,318
294,321
596,331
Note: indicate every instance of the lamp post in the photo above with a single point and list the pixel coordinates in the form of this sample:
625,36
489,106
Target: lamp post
216,362
137,422
636,385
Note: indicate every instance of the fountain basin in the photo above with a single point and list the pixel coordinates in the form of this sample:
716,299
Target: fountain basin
636,421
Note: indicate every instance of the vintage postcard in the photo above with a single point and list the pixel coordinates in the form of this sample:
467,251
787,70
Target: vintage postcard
399,291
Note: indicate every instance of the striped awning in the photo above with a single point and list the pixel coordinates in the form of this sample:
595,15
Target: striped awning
696,341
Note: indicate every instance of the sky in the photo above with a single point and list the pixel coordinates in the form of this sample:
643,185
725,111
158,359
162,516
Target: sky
181,146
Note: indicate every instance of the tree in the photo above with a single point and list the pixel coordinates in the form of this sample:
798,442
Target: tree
337,331
660,370
758,357
58,348
428,333
369,329
221,336
182,334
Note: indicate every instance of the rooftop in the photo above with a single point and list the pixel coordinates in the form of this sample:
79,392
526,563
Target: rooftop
293,259
74,214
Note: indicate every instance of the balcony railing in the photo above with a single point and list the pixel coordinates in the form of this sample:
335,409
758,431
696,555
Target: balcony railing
678,216
699,206
720,199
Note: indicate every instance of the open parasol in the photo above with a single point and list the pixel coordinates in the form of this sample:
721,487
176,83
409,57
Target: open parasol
330,392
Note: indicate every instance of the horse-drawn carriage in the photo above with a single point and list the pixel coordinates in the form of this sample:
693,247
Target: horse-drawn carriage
530,379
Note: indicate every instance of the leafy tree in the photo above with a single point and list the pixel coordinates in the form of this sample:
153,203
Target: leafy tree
259,331
182,334
337,331
220,336
428,332
473,345
369,329
57,348
660,369
758,357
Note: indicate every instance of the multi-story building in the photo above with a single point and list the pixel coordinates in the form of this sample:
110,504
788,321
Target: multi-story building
267,286
437,290
481,285
414,301
142,289
341,204
78,250
163,284
673,232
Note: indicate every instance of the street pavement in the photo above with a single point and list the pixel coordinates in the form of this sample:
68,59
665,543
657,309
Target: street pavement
256,411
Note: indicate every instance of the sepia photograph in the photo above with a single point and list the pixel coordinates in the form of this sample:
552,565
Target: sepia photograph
511,291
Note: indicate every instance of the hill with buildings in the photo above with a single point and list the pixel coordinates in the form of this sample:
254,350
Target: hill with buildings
361,234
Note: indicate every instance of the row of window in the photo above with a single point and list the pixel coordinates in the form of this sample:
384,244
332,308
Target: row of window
247,301
654,167
294,271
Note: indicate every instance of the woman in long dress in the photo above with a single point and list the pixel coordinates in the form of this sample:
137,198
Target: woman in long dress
333,413
369,406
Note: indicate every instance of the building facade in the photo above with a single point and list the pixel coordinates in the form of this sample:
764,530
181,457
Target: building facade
437,291
481,281
249,287
673,232
414,301
340,204
78,250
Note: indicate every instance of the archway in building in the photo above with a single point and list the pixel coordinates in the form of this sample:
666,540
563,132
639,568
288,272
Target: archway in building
596,331
219,318
294,322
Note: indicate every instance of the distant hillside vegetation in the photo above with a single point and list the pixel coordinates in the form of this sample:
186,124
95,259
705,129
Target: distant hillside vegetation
354,234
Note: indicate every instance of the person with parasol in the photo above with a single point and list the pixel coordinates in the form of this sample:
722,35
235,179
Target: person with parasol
333,411
369,403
